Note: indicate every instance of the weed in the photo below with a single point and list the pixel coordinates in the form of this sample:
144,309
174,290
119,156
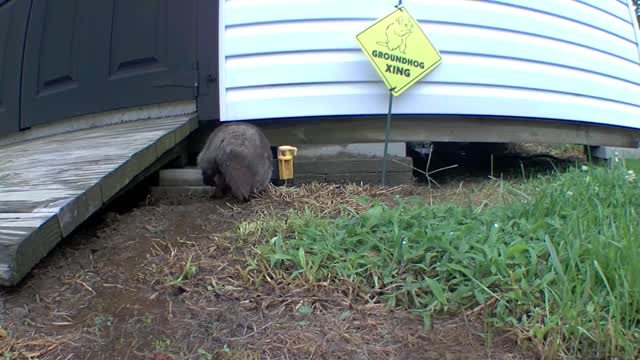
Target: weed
204,355
189,271
162,345
147,320
305,310
559,266
259,228
102,321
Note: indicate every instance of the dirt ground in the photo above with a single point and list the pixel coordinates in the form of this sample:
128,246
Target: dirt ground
168,279
107,293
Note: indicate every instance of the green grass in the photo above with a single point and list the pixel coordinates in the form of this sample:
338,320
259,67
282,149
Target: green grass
559,261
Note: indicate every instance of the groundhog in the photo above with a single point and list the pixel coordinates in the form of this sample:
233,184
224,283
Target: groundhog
236,157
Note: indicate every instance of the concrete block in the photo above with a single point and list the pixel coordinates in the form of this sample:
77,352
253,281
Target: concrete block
351,166
180,177
307,170
172,192
191,176
608,152
365,178
358,150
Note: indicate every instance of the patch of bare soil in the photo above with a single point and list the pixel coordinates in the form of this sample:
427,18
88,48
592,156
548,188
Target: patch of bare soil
169,281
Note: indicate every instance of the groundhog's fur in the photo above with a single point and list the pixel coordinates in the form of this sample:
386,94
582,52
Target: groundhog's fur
236,157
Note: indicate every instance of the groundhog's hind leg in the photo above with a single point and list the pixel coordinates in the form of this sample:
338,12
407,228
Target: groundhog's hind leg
241,194
237,174
221,186
242,185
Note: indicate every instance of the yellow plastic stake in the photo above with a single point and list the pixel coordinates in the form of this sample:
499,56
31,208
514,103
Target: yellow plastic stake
285,161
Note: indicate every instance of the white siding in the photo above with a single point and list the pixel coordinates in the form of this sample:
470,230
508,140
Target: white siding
563,59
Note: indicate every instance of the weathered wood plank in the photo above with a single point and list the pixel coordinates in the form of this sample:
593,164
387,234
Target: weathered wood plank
75,211
24,240
177,151
165,143
169,140
123,174
50,185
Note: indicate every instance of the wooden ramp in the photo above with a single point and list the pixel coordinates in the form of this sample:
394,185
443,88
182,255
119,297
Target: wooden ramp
49,186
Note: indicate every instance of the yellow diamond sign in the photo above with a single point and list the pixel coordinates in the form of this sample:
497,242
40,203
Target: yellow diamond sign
399,50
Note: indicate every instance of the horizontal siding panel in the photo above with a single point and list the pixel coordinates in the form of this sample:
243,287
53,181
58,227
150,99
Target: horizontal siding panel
560,59
351,66
338,35
243,12
634,20
450,99
478,13
615,8
580,12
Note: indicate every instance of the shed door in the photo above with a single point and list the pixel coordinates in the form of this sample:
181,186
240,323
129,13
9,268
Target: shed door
13,26
84,57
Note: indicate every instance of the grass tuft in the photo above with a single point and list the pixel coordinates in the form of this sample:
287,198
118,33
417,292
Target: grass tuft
557,263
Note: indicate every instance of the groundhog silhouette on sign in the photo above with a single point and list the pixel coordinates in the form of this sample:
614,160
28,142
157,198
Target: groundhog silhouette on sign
397,33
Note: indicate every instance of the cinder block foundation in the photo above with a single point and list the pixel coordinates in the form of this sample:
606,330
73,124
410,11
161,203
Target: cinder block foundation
350,163
368,171
608,152
360,150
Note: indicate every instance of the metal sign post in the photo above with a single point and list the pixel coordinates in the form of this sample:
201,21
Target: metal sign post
401,54
387,130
